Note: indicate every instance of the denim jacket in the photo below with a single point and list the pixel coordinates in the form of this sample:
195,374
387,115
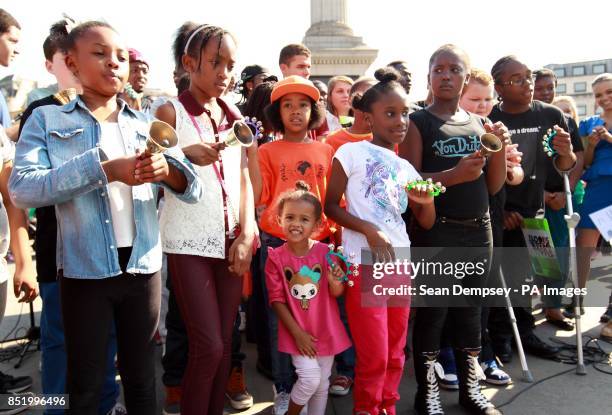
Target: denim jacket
57,162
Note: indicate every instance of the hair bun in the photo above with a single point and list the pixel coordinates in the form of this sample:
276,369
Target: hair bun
61,28
386,75
302,185
356,101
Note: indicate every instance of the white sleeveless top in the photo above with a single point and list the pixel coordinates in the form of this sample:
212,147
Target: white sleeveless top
199,229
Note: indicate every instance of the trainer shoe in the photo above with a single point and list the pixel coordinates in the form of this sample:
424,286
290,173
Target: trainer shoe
447,370
281,403
494,375
341,386
236,391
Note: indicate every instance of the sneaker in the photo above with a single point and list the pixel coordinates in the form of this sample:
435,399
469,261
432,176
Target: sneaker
19,409
118,409
446,370
494,375
341,386
281,403
14,384
172,406
236,391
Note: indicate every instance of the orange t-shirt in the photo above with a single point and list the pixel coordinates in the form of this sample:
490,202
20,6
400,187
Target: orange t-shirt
342,136
282,164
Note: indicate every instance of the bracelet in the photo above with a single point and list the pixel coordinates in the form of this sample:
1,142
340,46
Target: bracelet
563,171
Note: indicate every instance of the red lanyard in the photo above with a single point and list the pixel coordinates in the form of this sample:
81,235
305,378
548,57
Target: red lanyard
219,172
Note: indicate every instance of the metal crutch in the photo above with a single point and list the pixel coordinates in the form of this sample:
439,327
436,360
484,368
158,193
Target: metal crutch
519,344
572,218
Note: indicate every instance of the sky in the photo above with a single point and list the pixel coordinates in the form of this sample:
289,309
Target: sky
539,31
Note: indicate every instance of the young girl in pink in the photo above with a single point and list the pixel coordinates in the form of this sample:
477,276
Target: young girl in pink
302,291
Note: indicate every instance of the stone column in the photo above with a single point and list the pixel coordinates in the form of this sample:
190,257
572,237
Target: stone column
328,11
335,48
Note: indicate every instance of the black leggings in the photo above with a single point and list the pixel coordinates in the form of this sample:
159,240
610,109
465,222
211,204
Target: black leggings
89,308
464,322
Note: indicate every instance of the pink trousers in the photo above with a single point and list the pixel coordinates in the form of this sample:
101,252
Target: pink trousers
379,337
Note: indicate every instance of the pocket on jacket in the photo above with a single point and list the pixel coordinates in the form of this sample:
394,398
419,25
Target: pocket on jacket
68,143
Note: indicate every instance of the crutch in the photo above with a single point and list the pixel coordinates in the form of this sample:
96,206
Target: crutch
519,344
572,218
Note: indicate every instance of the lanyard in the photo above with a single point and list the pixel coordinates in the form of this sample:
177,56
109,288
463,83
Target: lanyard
219,173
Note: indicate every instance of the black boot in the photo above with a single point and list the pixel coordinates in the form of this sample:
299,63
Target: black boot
427,399
470,373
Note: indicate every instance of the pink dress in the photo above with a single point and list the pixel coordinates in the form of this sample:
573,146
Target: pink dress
293,280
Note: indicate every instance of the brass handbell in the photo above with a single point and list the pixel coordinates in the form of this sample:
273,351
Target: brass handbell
240,135
161,137
489,144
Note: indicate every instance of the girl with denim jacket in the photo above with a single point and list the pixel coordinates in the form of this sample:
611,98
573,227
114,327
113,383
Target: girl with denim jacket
85,158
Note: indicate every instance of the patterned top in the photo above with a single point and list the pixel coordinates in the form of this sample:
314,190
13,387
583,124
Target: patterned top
375,192
199,229
301,283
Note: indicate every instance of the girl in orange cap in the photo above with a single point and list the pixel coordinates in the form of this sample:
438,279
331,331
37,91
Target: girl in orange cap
293,112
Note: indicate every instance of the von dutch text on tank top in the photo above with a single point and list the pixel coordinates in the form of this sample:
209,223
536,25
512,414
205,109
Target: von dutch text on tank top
444,144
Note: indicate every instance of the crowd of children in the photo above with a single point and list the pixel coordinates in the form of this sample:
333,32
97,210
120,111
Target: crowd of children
331,165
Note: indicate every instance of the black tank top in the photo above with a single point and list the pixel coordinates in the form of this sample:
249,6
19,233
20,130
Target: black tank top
444,144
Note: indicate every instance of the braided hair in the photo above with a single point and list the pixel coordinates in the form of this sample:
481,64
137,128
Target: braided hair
180,38
498,67
192,42
388,80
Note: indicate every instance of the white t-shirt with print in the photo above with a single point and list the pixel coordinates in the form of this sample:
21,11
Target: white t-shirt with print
375,192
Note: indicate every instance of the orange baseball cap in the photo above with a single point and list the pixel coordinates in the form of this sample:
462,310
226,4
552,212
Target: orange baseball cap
294,84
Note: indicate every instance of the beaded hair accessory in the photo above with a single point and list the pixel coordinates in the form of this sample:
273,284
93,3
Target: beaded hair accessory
434,189
351,267
547,142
